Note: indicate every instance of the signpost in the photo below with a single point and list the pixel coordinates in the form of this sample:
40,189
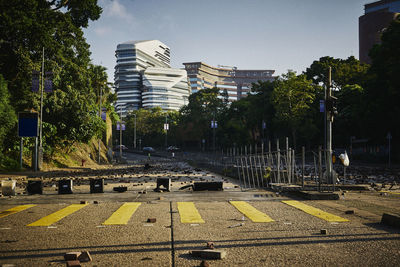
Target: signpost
389,138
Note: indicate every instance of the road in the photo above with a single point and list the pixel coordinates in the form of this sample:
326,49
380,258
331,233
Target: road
253,227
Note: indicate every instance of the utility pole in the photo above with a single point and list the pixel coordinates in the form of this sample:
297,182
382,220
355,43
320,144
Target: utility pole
330,107
39,155
100,119
134,133
214,125
120,134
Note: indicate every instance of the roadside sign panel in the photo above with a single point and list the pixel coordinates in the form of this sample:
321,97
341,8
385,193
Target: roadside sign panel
28,124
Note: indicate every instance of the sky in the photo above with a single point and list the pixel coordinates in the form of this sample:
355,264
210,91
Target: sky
280,35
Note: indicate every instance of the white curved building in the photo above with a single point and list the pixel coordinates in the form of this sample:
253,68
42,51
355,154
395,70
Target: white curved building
165,88
133,59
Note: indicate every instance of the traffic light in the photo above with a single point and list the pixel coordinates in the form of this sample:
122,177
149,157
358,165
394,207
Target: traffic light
331,103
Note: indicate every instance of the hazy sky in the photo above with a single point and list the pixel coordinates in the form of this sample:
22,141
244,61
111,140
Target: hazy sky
248,34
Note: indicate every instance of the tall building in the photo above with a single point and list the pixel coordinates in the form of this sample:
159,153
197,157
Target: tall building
142,71
376,19
237,83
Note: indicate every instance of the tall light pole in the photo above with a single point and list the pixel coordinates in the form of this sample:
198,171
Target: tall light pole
39,157
120,134
100,94
134,133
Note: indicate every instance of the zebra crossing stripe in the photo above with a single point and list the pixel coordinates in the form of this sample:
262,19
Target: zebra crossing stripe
314,211
58,215
250,212
15,210
123,214
189,213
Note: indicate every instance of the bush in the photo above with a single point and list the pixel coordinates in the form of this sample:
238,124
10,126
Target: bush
9,164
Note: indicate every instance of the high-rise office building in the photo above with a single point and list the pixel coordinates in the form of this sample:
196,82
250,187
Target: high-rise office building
142,72
237,83
376,19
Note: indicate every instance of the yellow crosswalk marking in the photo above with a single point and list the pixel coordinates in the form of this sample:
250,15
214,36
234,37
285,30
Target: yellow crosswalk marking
189,213
58,215
15,210
250,212
314,211
123,214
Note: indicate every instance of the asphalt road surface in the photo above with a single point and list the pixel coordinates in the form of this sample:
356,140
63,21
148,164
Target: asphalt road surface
253,227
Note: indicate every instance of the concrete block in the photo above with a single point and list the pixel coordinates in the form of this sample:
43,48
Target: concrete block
8,187
210,186
96,185
209,254
65,186
85,257
73,263
72,256
34,187
391,219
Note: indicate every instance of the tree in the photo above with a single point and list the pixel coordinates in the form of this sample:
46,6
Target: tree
292,98
7,114
26,27
383,90
203,107
344,71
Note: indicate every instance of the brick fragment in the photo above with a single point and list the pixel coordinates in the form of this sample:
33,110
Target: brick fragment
151,220
349,212
204,264
72,256
85,257
324,231
210,245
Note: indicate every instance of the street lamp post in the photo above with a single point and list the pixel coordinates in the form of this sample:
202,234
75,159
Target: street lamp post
120,134
134,133
39,155
100,94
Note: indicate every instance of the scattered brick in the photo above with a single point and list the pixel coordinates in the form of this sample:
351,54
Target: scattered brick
204,264
324,231
210,245
349,212
151,220
71,256
83,202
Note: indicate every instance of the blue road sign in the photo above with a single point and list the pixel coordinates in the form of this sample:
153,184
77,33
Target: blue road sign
28,124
